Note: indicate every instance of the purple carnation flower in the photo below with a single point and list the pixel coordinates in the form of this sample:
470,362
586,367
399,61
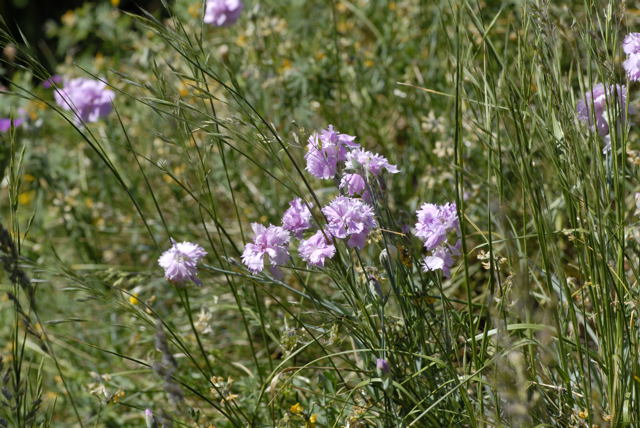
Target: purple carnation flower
441,259
435,222
5,123
88,99
596,99
222,12
631,44
348,217
297,217
632,67
272,241
370,162
353,183
344,142
52,81
382,366
325,150
181,260
316,249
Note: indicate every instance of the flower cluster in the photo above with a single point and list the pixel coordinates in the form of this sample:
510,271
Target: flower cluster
88,99
347,217
222,13
631,46
435,223
181,260
598,104
325,150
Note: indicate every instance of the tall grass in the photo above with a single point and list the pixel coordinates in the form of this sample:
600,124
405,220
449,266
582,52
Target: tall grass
475,103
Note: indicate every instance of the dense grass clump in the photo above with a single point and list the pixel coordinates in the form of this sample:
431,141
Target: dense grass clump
308,214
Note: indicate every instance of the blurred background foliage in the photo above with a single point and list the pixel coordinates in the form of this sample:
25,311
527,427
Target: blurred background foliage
36,20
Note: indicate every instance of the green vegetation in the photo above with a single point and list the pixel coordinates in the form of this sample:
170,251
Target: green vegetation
474,101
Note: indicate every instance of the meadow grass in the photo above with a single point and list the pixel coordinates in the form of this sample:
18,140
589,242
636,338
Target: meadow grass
476,104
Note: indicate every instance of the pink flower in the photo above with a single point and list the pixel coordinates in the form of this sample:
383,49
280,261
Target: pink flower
88,99
6,123
181,260
325,150
316,249
349,217
297,218
353,183
441,259
631,44
435,222
596,105
222,12
373,163
632,67
272,241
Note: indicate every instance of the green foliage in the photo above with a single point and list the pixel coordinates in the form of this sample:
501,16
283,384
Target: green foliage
475,103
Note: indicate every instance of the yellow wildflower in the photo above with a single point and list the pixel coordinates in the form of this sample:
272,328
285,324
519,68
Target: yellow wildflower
119,395
115,3
133,299
194,9
296,409
69,18
25,198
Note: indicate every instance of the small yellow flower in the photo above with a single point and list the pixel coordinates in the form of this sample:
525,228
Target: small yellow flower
99,60
133,299
119,395
194,9
286,66
296,409
28,178
115,3
25,198
392,5
583,414
311,422
241,40
69,18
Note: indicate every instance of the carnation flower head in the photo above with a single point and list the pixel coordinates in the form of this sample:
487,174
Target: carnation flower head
272,241
435,222
316,249
297,218
52,81
632,67
594,104
6,123
180,262
441,259
349,217
631,44
325,150
354,184
371,162
222,13
88,99
382,366
344,142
